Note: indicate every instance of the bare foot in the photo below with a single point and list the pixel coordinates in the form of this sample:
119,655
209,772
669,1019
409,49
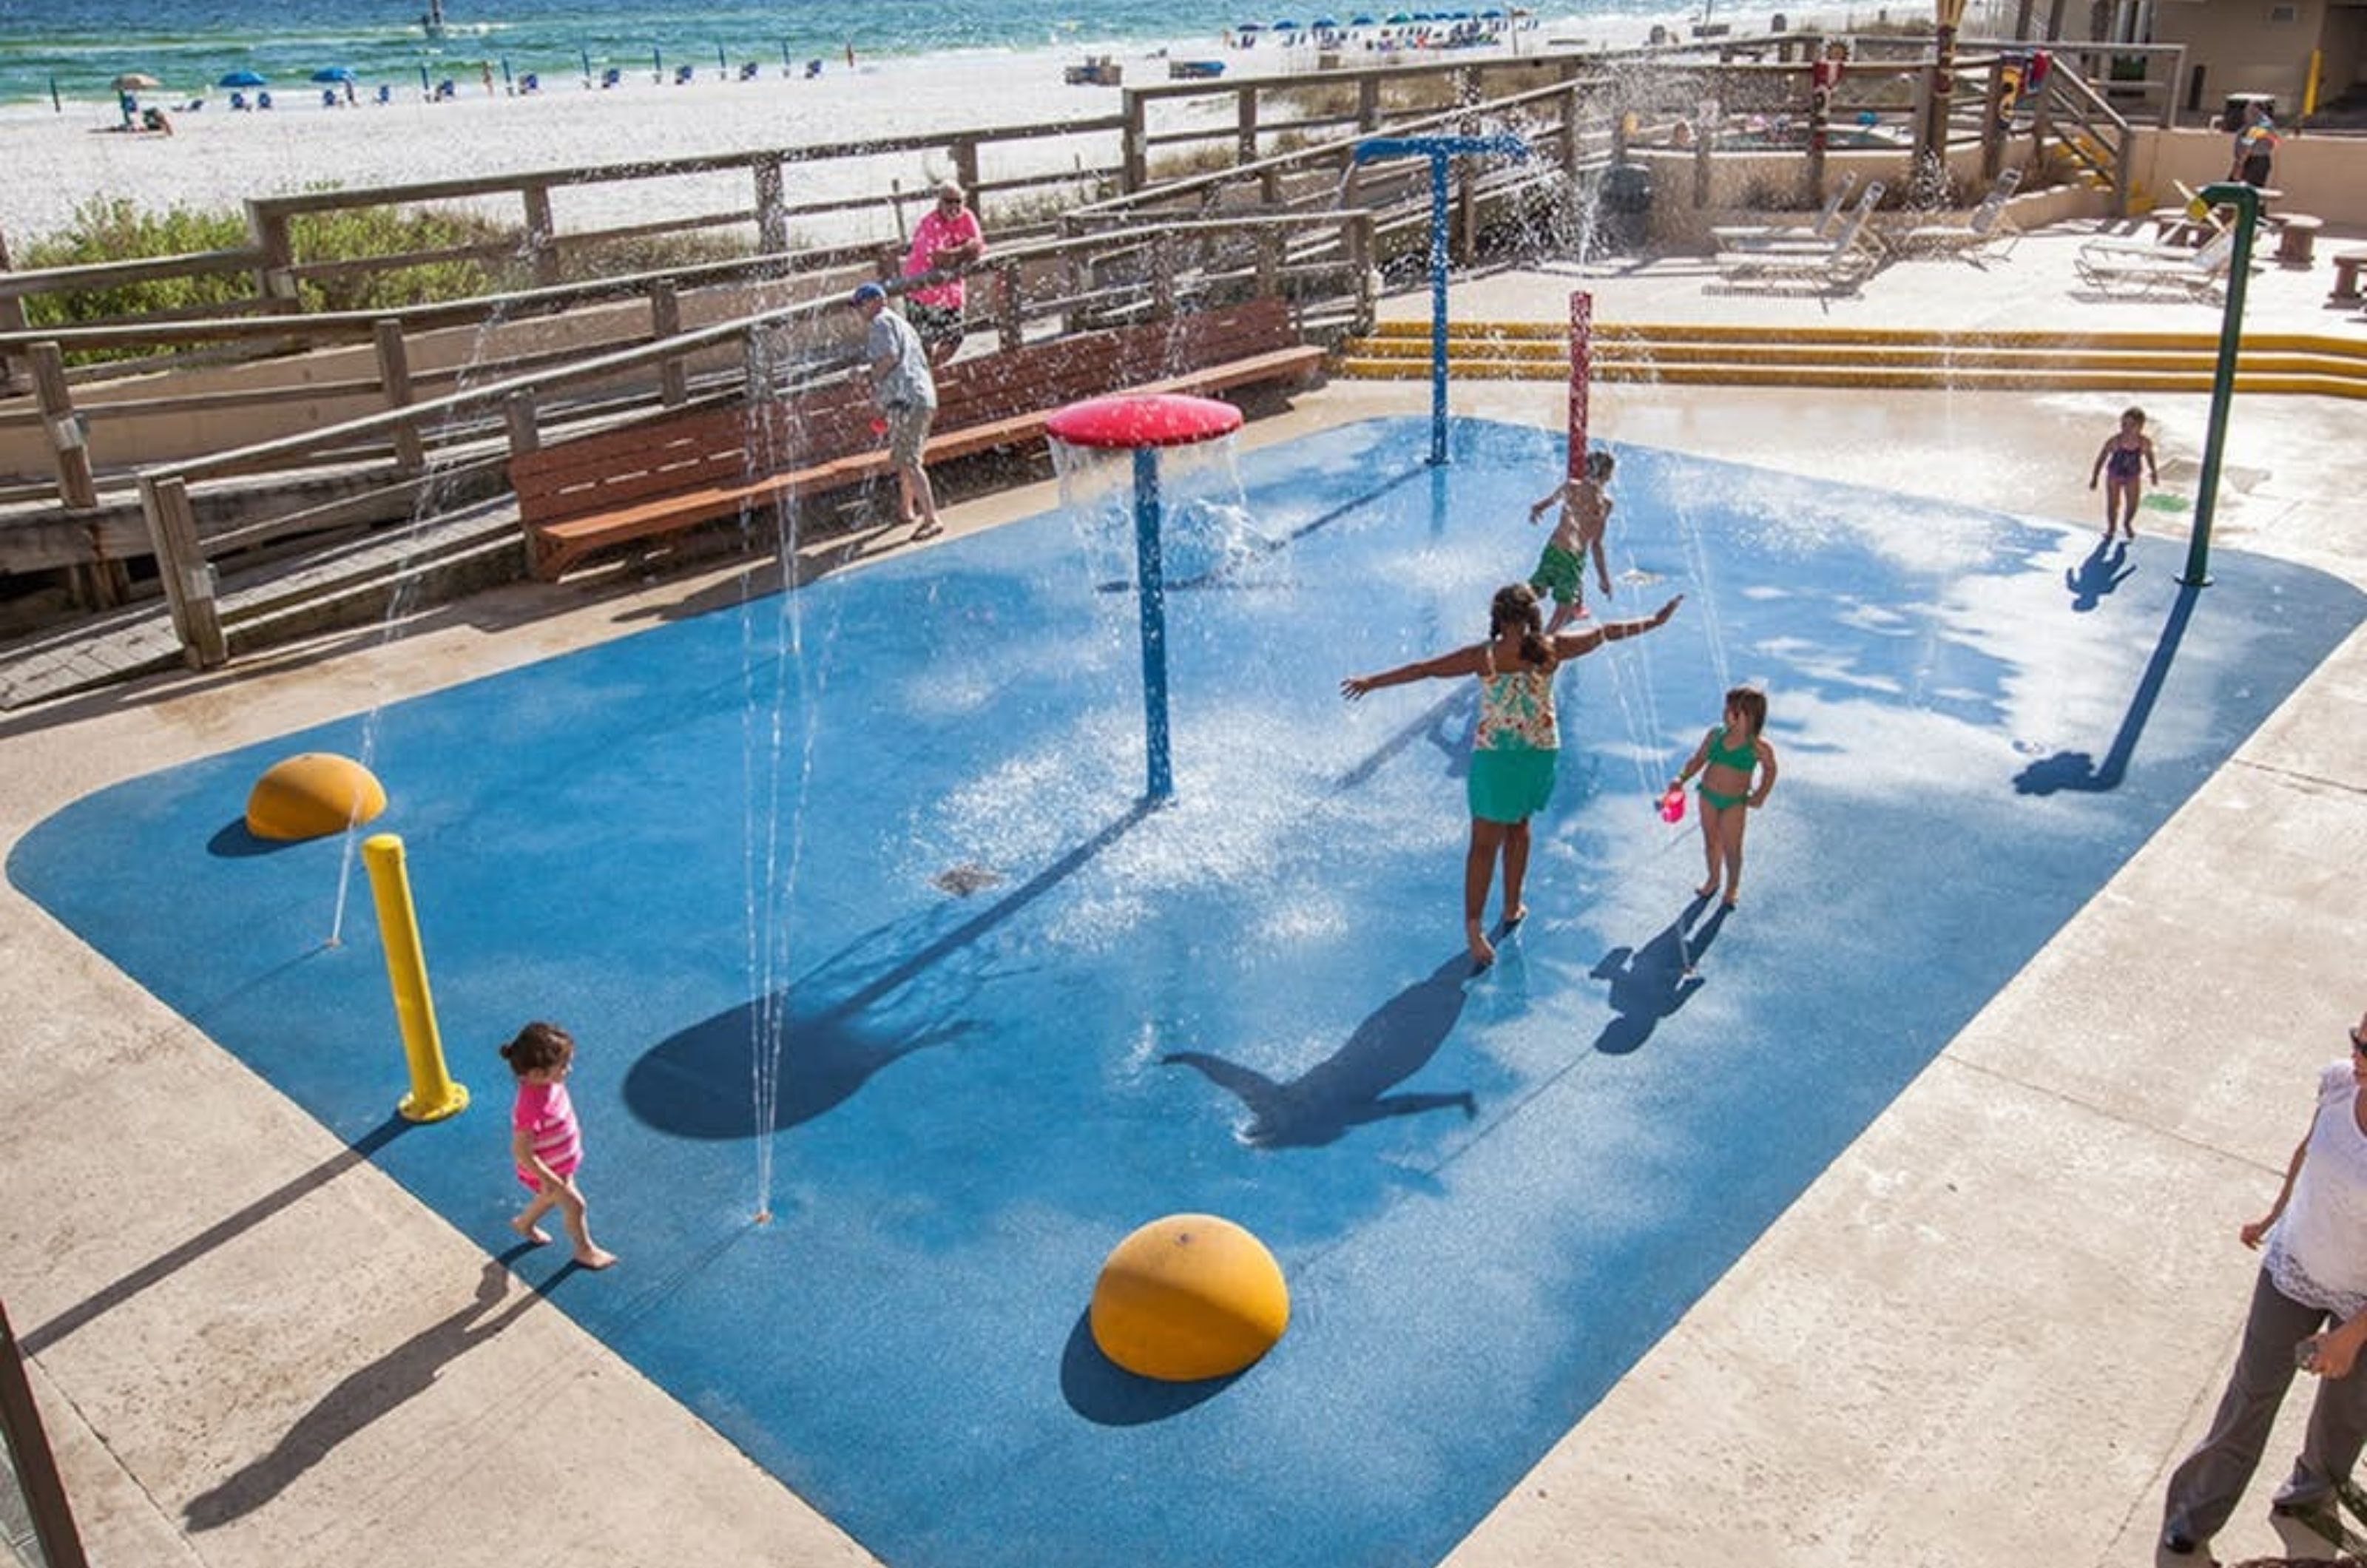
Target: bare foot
1705,889
929,530
535,1234
1732,899
1515,915
598,1258
1483,952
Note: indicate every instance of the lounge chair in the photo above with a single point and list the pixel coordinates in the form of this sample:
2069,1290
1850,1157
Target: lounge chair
1988,225
1739,236
1843,262
2198,275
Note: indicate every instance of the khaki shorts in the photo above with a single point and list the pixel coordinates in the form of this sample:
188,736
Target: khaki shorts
908,432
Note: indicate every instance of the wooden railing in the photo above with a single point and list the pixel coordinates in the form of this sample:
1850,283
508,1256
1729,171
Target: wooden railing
1030,289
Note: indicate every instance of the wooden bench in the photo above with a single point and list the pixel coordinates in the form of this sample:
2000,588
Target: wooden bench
669,474
2345,276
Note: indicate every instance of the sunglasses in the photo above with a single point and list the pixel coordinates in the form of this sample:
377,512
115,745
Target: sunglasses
2357,1044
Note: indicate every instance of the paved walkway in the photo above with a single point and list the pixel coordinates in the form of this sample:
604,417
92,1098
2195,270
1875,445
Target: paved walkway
1980,1339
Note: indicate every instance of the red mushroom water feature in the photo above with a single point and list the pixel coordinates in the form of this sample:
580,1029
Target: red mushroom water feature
1142,426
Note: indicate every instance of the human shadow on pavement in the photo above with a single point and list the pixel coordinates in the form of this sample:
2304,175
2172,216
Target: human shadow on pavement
366,1394
1352,1085
2105,569
1651,982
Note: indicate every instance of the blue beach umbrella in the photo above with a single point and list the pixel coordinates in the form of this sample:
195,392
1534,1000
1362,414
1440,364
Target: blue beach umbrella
244,79
1326,22
1362,21
333,74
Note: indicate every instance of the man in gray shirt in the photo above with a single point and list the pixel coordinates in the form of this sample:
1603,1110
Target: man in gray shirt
907,396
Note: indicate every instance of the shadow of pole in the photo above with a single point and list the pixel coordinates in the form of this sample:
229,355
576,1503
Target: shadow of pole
2076,770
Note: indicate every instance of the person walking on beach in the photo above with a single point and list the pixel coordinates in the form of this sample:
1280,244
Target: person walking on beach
2256,146
2313,1273
947,236
907,395
1725,759
2118,461
547,1142
1516,743
1585,515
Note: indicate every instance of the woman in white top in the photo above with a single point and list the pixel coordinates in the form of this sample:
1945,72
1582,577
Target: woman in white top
2314,1273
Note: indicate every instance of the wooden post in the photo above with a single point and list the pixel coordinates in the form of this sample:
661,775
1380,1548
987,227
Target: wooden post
540,232
665,322
44,1494
1368,105
1134,151
69,445
1269,260
394,375
772,207
1245,125
1569,150
1466,219
1162,275
1711,121
181,565
525,429
274,253
13,371
1823,78
1993,122
1007,323
965,171
1367,276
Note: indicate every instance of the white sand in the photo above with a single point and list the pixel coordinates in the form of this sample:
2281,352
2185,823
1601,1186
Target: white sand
217,157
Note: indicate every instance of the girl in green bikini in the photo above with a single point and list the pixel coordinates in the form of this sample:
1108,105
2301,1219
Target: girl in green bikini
1725,759
1514,746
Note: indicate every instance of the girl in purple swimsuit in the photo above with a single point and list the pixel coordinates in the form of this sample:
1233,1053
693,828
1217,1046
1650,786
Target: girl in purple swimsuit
2117,461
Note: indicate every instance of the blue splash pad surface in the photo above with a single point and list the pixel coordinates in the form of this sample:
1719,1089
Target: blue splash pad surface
1490,1195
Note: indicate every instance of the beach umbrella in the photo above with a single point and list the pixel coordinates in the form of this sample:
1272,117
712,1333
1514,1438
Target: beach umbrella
1362,21
1250,27
1326,22
334,73
244,79
1286,26
135,81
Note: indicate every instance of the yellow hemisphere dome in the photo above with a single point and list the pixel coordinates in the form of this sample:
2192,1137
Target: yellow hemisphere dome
313,795
1189,1297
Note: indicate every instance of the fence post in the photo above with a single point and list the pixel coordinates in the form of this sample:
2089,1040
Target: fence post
181,566
1711,123
1569,150
1133,144
13,373
1008,333
540,232
1269,261
772,208
1368,105
394,375
519,416
965,171
1162,277
68,441
37,1467
1245,124
665,322
275,284
1368,276
1466,219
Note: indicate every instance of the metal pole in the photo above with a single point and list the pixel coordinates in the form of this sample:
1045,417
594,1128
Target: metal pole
2247,203
1437,308
1582,372
1153,596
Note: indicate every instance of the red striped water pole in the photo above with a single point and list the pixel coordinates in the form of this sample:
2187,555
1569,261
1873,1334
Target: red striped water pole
1581,371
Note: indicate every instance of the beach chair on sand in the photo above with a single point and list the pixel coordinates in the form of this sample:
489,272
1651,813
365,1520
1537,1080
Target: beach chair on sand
1740,236
2113,269
1986,226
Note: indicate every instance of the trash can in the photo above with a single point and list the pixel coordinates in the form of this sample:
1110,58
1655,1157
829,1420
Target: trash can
1627,205
2239,105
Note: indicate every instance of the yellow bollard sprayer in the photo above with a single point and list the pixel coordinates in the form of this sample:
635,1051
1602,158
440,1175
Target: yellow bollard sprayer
433,1095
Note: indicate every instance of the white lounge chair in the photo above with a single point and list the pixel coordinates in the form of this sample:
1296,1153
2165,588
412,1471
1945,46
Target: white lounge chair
1743,236
1843,262
2198,275
1988,225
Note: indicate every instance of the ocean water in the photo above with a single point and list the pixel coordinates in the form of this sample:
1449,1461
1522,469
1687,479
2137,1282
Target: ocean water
80,46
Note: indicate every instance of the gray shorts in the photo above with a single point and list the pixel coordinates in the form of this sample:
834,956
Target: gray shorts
908,432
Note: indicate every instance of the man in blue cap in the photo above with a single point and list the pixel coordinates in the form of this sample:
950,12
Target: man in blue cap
907,396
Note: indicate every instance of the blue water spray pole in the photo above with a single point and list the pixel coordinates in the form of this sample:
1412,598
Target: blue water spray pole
2247,203
1153,602
1438,150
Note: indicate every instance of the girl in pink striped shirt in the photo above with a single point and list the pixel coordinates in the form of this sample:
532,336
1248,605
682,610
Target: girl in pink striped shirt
546,1143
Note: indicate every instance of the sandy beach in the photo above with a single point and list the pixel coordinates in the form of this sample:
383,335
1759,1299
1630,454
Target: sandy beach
217,157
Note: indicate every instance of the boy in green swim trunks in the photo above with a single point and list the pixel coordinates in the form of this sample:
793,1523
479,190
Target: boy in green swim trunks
1585,514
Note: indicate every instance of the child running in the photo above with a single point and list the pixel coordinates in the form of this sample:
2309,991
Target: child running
546,1143
1585,515
1516,744
1725,759
2118,461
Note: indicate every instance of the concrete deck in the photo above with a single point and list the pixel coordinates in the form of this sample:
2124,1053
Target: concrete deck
1982,1338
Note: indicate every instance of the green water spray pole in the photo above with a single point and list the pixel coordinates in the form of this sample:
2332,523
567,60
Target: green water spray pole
2247,203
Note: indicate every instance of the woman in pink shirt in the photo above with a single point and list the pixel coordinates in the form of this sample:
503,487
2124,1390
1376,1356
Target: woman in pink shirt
546,1143
948,235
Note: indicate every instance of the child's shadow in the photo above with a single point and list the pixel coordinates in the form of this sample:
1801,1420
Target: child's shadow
1351,1085
1650,983
2104,569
